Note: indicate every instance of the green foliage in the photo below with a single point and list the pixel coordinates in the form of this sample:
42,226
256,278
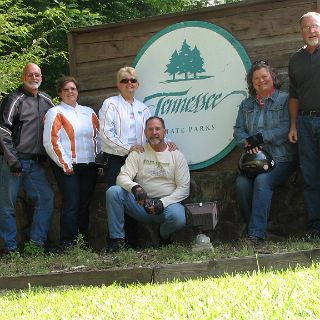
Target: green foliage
226,1
36,31
15,258
32,249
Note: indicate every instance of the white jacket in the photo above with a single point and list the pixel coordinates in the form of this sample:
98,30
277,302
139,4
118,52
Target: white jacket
114,118
70,135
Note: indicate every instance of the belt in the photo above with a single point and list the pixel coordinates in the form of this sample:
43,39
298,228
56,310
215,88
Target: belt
310,113
31,156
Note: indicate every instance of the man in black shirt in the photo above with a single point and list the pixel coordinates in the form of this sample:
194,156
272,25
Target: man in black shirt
304,108
21,153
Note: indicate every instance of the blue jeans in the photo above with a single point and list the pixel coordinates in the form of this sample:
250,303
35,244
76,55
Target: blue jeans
254,196
77,190
309,153
120,201
37,187
130,224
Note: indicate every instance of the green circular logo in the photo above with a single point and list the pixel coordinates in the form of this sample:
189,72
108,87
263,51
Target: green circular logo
192,74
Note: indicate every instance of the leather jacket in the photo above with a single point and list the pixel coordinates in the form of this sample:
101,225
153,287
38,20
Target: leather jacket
21,124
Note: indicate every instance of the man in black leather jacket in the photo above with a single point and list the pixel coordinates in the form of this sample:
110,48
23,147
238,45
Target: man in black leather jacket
21,153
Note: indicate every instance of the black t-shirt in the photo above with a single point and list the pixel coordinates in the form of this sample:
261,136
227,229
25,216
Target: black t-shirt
304,75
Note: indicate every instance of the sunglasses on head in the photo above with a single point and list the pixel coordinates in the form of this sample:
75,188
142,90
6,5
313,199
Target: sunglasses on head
260,62
131,80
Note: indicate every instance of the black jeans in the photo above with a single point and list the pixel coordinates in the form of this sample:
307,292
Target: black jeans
115,164
76,191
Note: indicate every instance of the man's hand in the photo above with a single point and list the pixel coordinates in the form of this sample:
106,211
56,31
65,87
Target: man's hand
293,135
16,170
158,207
153,206
139,194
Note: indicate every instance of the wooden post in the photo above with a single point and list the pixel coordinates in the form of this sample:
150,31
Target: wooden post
72,38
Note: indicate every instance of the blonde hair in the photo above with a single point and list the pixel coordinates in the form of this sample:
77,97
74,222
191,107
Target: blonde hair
126,70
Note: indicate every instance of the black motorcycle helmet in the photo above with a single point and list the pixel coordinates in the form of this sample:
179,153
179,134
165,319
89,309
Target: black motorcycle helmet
253,164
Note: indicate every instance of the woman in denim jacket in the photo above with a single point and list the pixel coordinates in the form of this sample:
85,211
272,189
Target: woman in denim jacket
263,123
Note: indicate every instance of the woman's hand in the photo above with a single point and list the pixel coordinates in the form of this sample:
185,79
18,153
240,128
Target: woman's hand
172,146
69,172
250,149
253,150
138,148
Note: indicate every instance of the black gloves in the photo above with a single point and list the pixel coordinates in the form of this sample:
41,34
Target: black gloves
151,205
154,206
139,193
158,207
255,140
102,160
16,168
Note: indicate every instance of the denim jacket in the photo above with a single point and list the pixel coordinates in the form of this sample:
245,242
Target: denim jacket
272,121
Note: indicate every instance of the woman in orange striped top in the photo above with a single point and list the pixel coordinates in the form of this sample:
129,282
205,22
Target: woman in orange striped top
70,132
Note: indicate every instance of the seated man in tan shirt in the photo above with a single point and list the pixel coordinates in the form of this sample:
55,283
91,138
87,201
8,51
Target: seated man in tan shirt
149,188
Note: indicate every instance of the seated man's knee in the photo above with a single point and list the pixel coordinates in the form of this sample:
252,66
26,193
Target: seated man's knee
176,215
112,192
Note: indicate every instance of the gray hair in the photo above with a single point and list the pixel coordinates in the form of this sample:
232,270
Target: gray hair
308,14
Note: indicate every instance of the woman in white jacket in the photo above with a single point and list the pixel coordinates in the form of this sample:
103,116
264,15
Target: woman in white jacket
70,132
122,123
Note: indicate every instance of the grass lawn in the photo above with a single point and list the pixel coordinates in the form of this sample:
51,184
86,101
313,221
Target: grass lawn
291,294
80,258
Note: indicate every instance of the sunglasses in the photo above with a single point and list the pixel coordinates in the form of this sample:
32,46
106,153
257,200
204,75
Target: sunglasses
131,80
260,62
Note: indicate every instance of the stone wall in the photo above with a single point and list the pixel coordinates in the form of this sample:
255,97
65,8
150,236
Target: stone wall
215,183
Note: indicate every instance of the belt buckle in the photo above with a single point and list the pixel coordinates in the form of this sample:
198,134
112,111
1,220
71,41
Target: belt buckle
310,113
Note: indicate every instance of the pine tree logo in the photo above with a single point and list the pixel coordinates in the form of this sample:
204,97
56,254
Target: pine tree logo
186,62
200,81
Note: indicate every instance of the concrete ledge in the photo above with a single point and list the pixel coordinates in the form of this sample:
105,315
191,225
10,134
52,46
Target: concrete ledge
165,273
106,277
220,267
